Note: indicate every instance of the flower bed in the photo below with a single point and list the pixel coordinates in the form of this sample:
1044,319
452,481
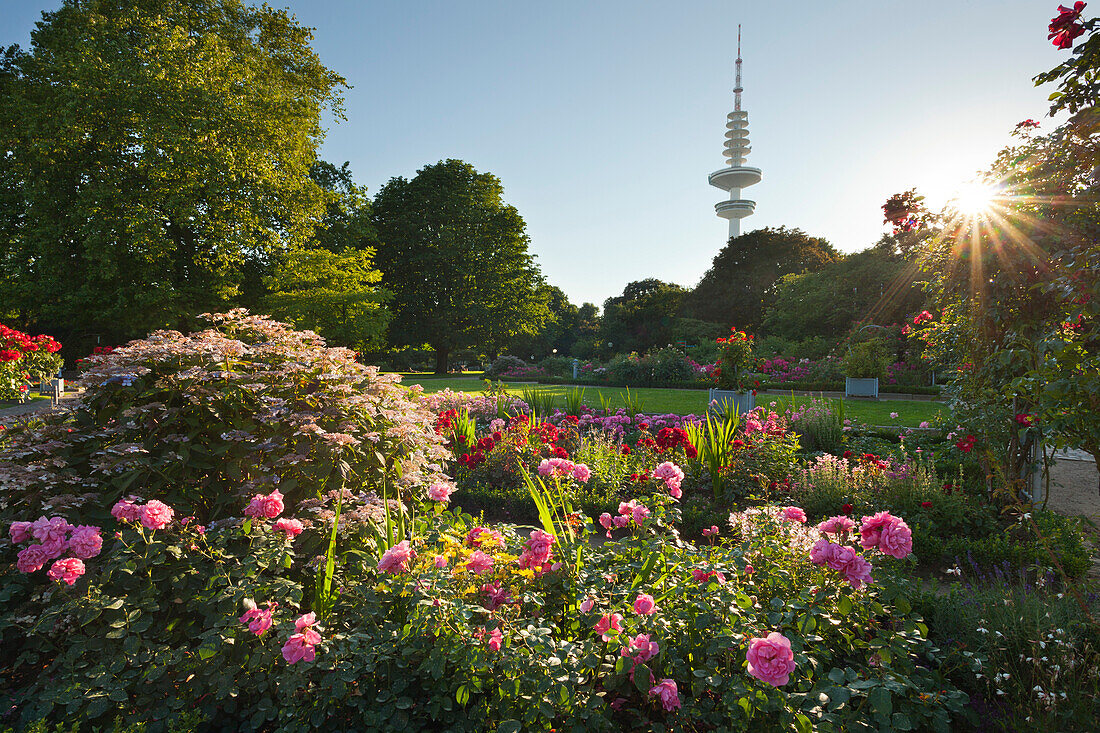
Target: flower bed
25,361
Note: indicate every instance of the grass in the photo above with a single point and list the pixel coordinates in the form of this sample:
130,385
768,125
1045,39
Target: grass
693,401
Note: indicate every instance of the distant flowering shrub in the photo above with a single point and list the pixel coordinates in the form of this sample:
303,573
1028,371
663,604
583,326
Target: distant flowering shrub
25,361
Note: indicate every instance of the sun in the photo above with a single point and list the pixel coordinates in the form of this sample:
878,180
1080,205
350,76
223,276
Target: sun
974,198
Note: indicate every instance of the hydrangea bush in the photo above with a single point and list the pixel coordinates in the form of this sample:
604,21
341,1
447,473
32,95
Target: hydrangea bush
202,421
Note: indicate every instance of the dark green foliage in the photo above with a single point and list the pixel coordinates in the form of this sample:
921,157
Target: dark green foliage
455,258
158,154
742,279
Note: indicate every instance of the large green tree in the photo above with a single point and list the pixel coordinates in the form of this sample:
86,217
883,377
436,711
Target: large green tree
643,317
877,285
742,278
155,150
455,257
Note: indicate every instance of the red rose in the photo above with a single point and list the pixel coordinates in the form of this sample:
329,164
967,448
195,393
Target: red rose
846,509
926,505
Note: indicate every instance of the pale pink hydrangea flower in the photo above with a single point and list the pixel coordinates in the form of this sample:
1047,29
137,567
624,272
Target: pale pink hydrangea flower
644,604
86,542
479,562
292,527
396,559
156,515
440,491
607,624
66,570
266,506
771,659
666,691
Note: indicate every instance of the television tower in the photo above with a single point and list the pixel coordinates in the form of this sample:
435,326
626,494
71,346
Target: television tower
737,175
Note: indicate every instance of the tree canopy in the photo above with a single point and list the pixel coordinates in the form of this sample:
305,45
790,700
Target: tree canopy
455,258
643,317
742,278
153,151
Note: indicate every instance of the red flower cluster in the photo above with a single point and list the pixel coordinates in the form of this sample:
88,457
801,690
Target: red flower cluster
103,350
734,337
921,318
1028,123
966,444
673,438
18,343
1064,27
444,423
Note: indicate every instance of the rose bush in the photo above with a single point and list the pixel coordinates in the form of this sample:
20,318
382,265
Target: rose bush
25,361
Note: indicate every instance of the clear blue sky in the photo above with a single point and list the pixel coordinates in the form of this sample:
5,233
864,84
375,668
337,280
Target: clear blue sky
603,119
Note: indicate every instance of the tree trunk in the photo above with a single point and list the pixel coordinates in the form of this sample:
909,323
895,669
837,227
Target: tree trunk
441,355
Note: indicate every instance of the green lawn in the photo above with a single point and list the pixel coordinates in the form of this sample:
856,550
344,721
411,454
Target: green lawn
688,401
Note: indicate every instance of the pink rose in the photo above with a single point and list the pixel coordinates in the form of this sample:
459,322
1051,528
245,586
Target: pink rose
607,624
479,562
587,604
641,649
822,551
54,547
439,561
86,542
126,511
666,691
265,507
396,559
621,522
711,532
67,570
870,529
305,621
300,647
639,513
545,468
292,527
771,659
896,539
582,473
156,514
792,514
644,604
51,531
440,491
857,571
836,525
19,532
258,619
495,639
31,559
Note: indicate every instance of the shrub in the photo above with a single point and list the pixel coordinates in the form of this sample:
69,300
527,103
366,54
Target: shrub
626,369
669,365
206,420
866,360
735,360
819,424
25,361
505,364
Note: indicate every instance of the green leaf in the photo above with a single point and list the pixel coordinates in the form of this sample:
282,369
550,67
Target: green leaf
844,605
802,724
510,726
462,696
881,700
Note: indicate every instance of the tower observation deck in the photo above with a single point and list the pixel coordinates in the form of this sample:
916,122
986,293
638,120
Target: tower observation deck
736,175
